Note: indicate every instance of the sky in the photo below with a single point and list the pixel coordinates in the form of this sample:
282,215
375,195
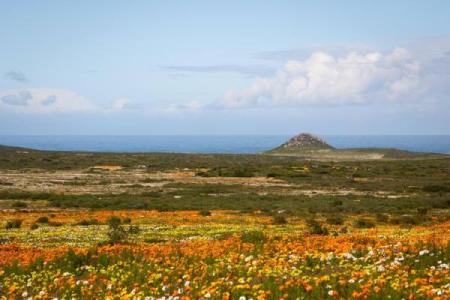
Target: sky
224,67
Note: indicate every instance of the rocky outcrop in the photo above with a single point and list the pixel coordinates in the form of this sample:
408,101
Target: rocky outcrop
304,141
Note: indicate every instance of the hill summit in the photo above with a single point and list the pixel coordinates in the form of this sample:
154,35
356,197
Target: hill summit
303,141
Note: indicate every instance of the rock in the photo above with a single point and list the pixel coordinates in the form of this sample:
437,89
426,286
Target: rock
304,141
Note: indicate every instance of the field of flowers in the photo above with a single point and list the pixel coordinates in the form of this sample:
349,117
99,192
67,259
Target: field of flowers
227,255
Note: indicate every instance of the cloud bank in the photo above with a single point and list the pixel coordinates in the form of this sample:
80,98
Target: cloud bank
42,100
324,79
16,76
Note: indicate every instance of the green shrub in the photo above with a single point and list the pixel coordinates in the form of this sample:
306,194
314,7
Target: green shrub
34,226
253,236
134,229
116,232
405,220
314,227
87,222
364,223
19,204
126,220
335,220
16,223
422,211
204,213
42,220
279,220
436,188
382,218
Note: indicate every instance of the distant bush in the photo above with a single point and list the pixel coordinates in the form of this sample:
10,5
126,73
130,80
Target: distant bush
314,227
42,220
126,220
436,188
16,223
19,204
279,220
405,220
34,226
422,211
364,223
337,203
55,224
253,236
204,213
134,229
116,232
88,222
382,218
335,220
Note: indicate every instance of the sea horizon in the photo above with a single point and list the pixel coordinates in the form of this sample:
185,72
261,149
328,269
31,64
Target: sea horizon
221,143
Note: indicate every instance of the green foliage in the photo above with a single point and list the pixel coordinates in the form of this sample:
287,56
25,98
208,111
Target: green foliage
19,204
253,237
314,227
335,220
204,213
436,188
279,219
42,220
88,222
364,223
382,218
116,232
11,224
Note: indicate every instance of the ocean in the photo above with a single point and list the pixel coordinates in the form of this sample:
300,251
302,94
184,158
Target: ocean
219,144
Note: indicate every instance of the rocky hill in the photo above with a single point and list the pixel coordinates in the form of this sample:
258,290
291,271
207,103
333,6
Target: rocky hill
303,142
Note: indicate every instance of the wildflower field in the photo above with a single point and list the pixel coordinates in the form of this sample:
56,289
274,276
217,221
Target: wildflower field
250,227
227,255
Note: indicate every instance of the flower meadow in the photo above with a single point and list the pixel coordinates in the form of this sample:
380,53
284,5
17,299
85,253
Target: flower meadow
226,255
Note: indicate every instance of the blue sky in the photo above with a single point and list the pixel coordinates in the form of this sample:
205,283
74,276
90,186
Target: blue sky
230,67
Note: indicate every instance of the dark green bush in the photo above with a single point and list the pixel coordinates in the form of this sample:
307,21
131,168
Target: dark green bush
253,236
422,211
16,223
436,188
279,220
364,223
126,220
87,222
382,218
204,213
34,226
314,227
116,232
19,204
42,220
335,220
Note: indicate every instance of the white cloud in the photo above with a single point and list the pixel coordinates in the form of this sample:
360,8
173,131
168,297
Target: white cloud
324,79
121,104
16,76
43,100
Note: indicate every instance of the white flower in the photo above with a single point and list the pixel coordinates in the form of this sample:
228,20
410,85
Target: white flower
423,252
187,283
381,269
444,266
207,295
42,293
330,292
242,298
351,280
25,294
248,258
